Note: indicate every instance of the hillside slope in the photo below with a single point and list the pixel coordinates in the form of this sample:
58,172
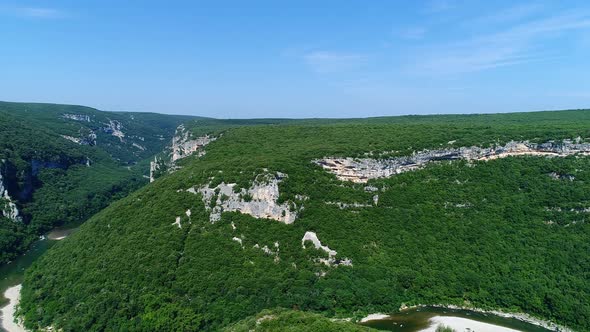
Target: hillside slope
493,214
59,164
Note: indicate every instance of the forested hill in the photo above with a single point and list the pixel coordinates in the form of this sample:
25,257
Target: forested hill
337,217
59,164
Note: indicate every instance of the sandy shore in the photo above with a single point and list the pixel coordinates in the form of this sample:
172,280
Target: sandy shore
59,234
463,324
13,296
373,317
519,316
460,322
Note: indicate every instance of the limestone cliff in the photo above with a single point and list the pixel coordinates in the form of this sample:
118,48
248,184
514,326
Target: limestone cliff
114,128
363,169
85,137
259,201
7,206
182,146
77,117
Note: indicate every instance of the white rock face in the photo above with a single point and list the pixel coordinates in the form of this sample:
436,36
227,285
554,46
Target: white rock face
238,240
361,170
83,139
77,117
9,209
1,184
331,260
140,147
177,222
259,201
183,145
343,206
153,168
312,236
115,128
72,139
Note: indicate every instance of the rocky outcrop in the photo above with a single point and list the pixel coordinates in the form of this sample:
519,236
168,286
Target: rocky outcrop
1,184
84,138
361,170
114,128
7,207
558,176
140,147
270,252
183,145
343,206
259,201
331,260
77,117
154,167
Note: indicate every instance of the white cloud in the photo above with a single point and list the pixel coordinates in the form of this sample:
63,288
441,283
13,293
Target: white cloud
330,62
510,14
518,44
37,12
33,12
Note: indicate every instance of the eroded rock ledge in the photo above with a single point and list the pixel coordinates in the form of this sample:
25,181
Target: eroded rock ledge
259,201
361,170
7,207
331,260
184,145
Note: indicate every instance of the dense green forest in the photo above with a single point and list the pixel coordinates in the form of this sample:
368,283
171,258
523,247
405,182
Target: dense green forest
506,233
55,181
293,321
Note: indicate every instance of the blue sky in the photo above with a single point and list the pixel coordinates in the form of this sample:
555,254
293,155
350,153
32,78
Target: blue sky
244,59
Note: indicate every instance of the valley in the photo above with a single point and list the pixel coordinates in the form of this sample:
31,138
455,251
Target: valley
60,164
295,166
249,223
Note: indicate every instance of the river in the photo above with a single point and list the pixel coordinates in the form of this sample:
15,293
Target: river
427,319
12,274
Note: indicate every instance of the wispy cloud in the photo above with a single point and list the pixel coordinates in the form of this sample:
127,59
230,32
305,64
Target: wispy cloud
437,6
330,62
413,33
508,15
520,43
33,12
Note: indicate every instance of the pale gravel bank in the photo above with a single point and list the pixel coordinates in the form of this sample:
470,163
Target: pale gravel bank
519,316
516,315
373,317
8,311
464,324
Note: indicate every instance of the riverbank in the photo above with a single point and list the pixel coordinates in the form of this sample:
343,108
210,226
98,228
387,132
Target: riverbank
12,274
8,311
525,318
60,233
463,324
515,315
